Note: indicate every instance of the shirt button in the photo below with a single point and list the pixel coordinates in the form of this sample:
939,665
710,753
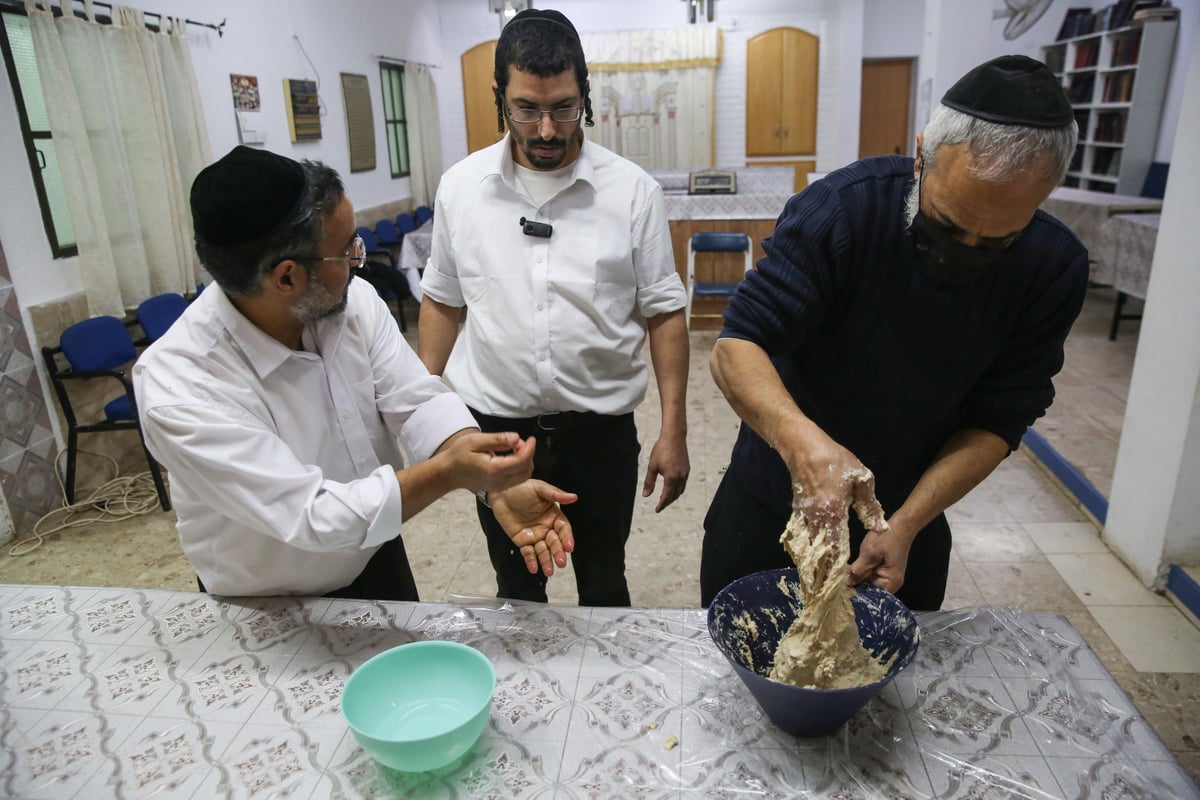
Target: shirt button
539,306
345,415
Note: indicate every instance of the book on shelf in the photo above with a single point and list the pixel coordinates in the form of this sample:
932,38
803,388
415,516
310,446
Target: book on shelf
1080,88
1118,88
1074,23
1125,49
1110,127
1087,54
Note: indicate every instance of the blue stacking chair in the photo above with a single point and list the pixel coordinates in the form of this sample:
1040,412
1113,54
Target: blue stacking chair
156,314
423,214
713,242
98,348
405,223
380,271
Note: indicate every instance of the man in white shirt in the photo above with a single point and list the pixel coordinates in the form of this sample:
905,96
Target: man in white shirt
276,400
560,254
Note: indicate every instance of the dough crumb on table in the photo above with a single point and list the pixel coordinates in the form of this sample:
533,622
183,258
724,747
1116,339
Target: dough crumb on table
671,742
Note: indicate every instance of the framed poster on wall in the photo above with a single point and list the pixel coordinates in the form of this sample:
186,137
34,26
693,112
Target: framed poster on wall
360,123
303,109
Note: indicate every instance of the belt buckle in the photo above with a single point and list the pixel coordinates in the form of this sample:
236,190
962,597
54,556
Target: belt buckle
541,425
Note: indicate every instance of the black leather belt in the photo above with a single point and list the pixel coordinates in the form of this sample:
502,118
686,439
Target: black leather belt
551,421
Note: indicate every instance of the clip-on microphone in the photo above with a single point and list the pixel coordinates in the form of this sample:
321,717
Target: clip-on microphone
539,229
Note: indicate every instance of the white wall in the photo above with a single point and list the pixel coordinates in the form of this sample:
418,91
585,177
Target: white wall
893,28
265,39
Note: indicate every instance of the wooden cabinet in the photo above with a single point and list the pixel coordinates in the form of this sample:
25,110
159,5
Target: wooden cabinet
781,93
1117,81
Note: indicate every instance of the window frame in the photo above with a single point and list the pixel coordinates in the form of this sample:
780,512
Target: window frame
30,138
393,125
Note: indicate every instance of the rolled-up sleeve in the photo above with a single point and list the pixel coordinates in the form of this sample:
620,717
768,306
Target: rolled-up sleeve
659,288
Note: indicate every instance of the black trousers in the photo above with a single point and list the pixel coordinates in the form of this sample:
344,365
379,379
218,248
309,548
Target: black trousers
595,456
741,537
387,576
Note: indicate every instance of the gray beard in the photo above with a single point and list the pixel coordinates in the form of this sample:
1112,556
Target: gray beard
912,203
317,303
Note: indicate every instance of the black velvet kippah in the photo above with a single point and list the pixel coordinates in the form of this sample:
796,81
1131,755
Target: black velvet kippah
1012,90
548,15
244,196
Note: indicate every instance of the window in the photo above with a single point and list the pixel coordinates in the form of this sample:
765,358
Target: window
17,44
395,122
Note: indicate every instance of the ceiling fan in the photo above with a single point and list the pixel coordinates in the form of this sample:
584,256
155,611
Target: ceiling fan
1022,15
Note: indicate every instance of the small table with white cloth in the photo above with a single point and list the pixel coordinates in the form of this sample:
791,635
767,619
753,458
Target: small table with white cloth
1084,212
112,692
414,255
1127,251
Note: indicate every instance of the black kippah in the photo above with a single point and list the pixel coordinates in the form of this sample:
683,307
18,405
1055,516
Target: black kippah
549,15
1012,90
244,196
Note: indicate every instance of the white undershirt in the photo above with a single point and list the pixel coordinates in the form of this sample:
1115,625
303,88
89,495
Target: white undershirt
543,184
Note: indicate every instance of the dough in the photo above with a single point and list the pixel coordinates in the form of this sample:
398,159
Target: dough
822,649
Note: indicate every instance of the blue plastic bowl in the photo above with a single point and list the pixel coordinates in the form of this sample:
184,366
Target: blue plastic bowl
748,618
420,706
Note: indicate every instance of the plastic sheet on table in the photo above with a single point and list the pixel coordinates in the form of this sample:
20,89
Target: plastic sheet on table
616,703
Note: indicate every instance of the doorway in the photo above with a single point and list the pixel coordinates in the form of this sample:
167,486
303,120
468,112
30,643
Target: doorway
478,66
886,111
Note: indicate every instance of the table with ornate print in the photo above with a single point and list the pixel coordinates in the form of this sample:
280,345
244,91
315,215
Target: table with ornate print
414,254
139,693
1085,211
1127,253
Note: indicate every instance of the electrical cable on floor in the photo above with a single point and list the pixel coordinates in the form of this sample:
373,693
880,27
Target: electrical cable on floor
119,499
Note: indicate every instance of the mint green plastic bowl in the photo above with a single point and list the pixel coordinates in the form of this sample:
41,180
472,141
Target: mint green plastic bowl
420,706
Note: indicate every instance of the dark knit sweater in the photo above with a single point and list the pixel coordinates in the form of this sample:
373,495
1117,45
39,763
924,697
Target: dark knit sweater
887,364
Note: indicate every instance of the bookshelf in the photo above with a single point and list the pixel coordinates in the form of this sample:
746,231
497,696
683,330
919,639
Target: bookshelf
1117,82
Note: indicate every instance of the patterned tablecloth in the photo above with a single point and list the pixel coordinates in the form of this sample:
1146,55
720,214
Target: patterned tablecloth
414,253
1085,212
1127,250
124,693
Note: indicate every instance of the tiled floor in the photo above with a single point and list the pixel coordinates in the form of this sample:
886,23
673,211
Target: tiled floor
1019,539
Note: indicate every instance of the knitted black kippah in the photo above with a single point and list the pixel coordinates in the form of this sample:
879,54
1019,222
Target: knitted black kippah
244,196
1012,90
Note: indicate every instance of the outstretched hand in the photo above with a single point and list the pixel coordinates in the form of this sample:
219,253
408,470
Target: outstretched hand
530,514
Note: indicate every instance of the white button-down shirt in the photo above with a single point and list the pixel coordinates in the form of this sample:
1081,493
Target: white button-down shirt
558,323
282,462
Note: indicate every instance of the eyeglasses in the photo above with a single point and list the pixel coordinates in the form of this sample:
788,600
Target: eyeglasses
531,116
355,255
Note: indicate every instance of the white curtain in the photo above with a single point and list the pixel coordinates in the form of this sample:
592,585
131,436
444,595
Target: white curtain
424,133
125,116
652,94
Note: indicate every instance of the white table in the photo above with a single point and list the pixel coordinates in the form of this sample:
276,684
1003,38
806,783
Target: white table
133,693
414,254
1127,251
1084,212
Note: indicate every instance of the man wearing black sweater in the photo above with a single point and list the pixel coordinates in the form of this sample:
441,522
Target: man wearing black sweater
908,317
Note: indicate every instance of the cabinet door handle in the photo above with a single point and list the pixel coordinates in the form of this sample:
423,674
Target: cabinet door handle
777,129
785,130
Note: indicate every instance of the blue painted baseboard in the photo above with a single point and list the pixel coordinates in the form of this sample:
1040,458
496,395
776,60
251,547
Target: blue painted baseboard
1179,583
1185,589
1081,487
